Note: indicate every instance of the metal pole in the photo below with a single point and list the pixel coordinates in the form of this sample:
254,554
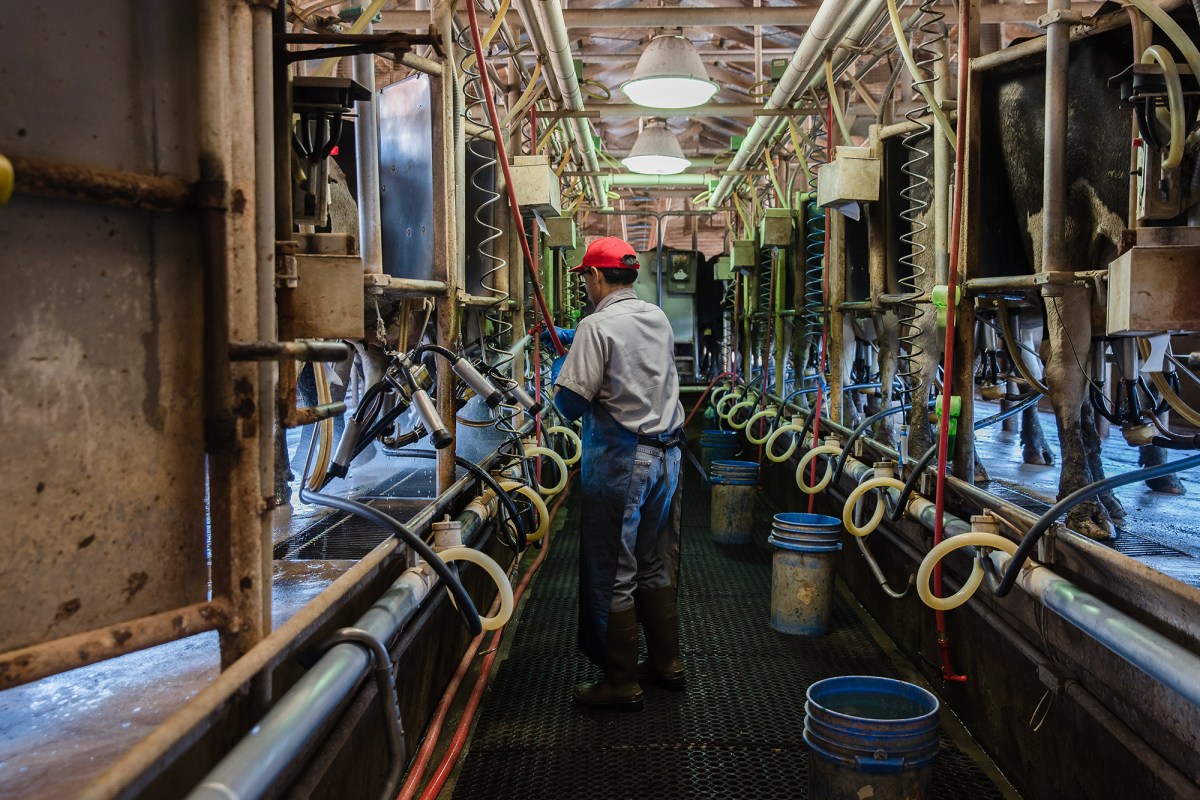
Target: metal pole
1054,153
366,152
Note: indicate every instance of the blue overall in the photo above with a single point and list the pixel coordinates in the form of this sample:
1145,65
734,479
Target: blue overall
630,533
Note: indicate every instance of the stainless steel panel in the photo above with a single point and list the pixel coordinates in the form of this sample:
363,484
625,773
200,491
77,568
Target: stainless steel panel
101,381
406,178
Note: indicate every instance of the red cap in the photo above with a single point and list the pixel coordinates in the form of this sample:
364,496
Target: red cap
609,253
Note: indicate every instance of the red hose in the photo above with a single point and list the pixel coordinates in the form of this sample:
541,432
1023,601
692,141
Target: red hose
446,766
964,19
502,157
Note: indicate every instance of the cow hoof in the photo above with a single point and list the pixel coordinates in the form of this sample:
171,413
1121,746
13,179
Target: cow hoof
1090,520
1116,511
1041,457
1167,484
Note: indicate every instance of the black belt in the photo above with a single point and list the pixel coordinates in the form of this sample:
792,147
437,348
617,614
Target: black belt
661,444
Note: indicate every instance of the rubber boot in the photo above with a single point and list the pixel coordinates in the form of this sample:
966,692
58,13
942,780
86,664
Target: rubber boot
660,623
619,688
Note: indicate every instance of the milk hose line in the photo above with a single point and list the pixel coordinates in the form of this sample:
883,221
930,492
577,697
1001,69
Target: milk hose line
872,564
502,157
964,28
1030,539
462,600
509,504
923,462
1011,345
858,431
804,430
468,716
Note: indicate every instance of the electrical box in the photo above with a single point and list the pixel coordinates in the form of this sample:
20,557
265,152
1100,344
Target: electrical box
560,232
745,254
1153,287
328,299
775,230
722,269
853,176
536,185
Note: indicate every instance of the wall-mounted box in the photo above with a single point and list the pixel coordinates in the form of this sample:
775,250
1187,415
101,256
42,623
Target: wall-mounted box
536,185
560,232
1153,286
853,176
328,298
744,254
723,269
775,229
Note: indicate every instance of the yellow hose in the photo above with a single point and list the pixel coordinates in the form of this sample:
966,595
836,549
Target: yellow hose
1174,102
358,26
769,411
843,128
494,572
539,505
324,429
918,80
1164,387
738,426
530,452
528,96
488,35
572,437
856,495
1014,350
823,450
791,427
973,539
1173,31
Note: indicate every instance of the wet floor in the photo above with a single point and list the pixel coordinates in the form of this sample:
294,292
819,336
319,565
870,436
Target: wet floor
1160,530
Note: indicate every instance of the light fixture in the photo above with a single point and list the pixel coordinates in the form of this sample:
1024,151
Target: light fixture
669,74
656,151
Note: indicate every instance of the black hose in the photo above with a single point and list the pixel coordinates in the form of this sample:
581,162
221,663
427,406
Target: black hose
463,600
435,348
854,434
1030,540
485,476
923,463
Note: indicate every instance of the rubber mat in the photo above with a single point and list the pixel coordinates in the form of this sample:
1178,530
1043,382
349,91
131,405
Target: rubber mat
735,732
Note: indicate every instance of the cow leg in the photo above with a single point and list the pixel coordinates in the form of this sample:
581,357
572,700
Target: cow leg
1152,456
1010,425
1070,328
1091,444
1034,449
885,336
923,367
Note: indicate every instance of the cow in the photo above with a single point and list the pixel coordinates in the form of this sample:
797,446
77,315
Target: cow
1097,186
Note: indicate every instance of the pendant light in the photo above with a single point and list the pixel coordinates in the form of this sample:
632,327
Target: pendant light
656,151
670,74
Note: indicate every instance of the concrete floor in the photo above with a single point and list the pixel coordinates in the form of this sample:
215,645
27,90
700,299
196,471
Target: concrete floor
1172,522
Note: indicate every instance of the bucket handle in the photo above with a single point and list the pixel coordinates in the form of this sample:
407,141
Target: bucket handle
880,764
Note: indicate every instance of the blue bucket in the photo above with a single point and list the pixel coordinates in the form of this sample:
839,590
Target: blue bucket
736,473
870,737
715,445
802,567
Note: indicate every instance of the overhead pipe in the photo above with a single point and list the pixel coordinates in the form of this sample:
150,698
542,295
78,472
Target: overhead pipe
366,153
834,18
549,16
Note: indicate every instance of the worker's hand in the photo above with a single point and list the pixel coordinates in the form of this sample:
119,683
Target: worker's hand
556,367
565,335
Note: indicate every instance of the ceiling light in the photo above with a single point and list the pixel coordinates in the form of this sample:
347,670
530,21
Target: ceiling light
669,74
656,151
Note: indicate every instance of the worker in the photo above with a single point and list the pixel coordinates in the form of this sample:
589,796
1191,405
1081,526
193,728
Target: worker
619,376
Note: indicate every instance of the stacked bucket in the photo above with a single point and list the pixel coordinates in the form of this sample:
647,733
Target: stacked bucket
806,546
717,446
870,737
734,484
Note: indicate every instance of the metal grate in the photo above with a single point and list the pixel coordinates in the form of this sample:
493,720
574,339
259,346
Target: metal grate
735,732
1125,542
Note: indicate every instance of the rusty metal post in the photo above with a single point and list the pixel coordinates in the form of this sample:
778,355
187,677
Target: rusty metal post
835,268
969,259
231,313
448,209
968,262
